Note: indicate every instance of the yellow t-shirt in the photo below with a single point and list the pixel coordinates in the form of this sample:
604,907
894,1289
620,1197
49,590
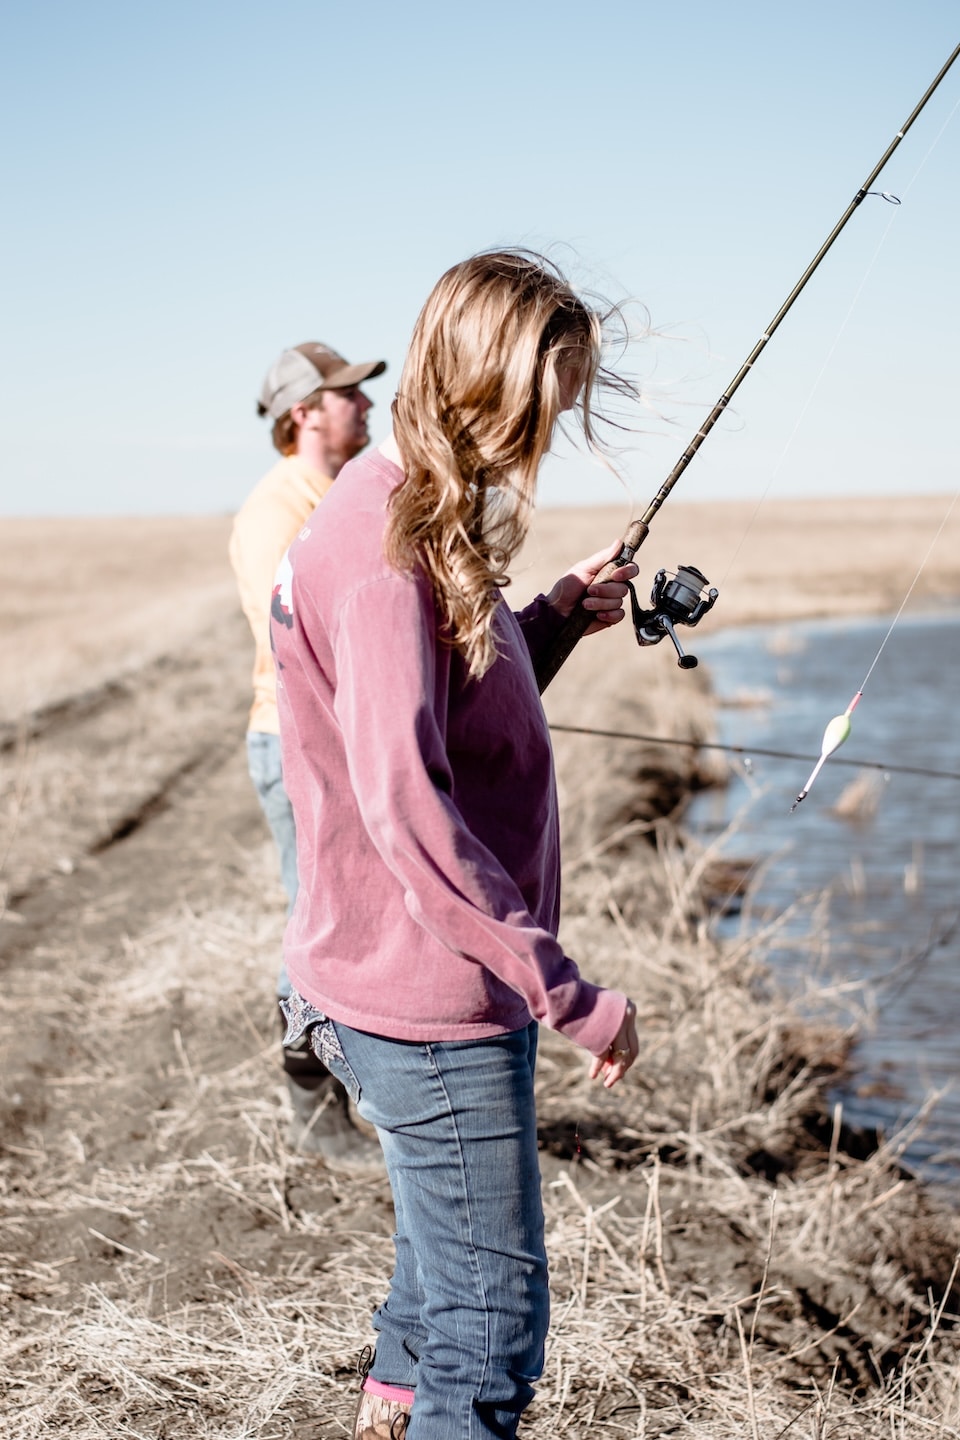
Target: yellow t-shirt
269,519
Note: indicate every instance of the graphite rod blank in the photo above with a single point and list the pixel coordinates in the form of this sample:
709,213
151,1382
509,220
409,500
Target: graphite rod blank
580,619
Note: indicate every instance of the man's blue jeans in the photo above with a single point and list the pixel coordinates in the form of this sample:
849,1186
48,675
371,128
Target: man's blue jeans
466,1318
263,762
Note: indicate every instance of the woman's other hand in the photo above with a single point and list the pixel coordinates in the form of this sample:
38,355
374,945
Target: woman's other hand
616,1060
603,599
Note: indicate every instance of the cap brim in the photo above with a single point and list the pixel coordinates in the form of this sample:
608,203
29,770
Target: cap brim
353,375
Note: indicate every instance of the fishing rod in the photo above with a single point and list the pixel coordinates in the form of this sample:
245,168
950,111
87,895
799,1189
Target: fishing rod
685,599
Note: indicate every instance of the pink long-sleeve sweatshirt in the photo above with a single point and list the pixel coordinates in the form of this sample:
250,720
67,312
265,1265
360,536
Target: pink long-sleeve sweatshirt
425,802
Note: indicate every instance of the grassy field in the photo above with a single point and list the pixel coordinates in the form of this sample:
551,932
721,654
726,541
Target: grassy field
728,1259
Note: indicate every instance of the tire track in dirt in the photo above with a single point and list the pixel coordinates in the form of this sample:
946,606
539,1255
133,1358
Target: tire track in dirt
134,1067
142,1167
63,713
88,771
163,838
158,815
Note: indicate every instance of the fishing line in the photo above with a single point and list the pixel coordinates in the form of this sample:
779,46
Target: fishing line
748,751
923,563
553,657
838,729
891,199
934,143
788,446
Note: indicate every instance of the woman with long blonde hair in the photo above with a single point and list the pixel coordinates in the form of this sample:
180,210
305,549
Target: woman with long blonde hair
423,950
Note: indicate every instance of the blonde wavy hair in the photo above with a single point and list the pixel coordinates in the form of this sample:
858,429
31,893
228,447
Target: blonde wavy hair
500,345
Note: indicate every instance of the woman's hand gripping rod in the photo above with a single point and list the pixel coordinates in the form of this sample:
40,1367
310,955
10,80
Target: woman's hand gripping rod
675,600
579,620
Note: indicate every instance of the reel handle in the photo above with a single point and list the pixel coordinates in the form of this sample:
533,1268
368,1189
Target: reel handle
685,661
579,620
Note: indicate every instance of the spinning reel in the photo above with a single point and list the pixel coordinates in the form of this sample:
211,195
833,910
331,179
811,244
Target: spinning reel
677,600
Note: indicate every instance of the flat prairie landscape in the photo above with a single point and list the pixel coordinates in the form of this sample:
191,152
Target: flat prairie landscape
727,1260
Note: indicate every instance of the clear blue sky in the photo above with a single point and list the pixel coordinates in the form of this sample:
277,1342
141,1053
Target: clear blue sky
189,187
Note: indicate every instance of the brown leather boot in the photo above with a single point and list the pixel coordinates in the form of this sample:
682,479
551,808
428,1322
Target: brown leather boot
379,1419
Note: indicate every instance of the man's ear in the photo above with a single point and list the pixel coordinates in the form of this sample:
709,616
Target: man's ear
299,413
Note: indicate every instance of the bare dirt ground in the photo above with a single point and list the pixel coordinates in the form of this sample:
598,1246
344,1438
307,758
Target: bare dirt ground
721,1264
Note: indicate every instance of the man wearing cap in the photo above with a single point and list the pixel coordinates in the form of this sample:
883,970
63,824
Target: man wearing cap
319,418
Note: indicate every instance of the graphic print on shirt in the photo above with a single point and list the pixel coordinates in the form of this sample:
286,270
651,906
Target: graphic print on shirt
281,601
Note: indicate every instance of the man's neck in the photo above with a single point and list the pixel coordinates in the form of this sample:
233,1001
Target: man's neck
313,452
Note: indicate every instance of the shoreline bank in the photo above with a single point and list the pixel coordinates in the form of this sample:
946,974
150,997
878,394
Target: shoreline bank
722,1263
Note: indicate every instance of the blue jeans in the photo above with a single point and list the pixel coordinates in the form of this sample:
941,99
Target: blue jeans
263,762
466,1318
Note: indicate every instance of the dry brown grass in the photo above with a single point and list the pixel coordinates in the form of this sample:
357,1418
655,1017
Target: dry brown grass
779,561
693,1295
85,601
722,1265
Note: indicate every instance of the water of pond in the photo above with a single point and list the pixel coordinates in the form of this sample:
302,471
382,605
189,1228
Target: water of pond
880,846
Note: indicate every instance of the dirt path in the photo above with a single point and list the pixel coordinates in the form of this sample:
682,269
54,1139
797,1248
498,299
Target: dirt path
140,1053
169,1269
